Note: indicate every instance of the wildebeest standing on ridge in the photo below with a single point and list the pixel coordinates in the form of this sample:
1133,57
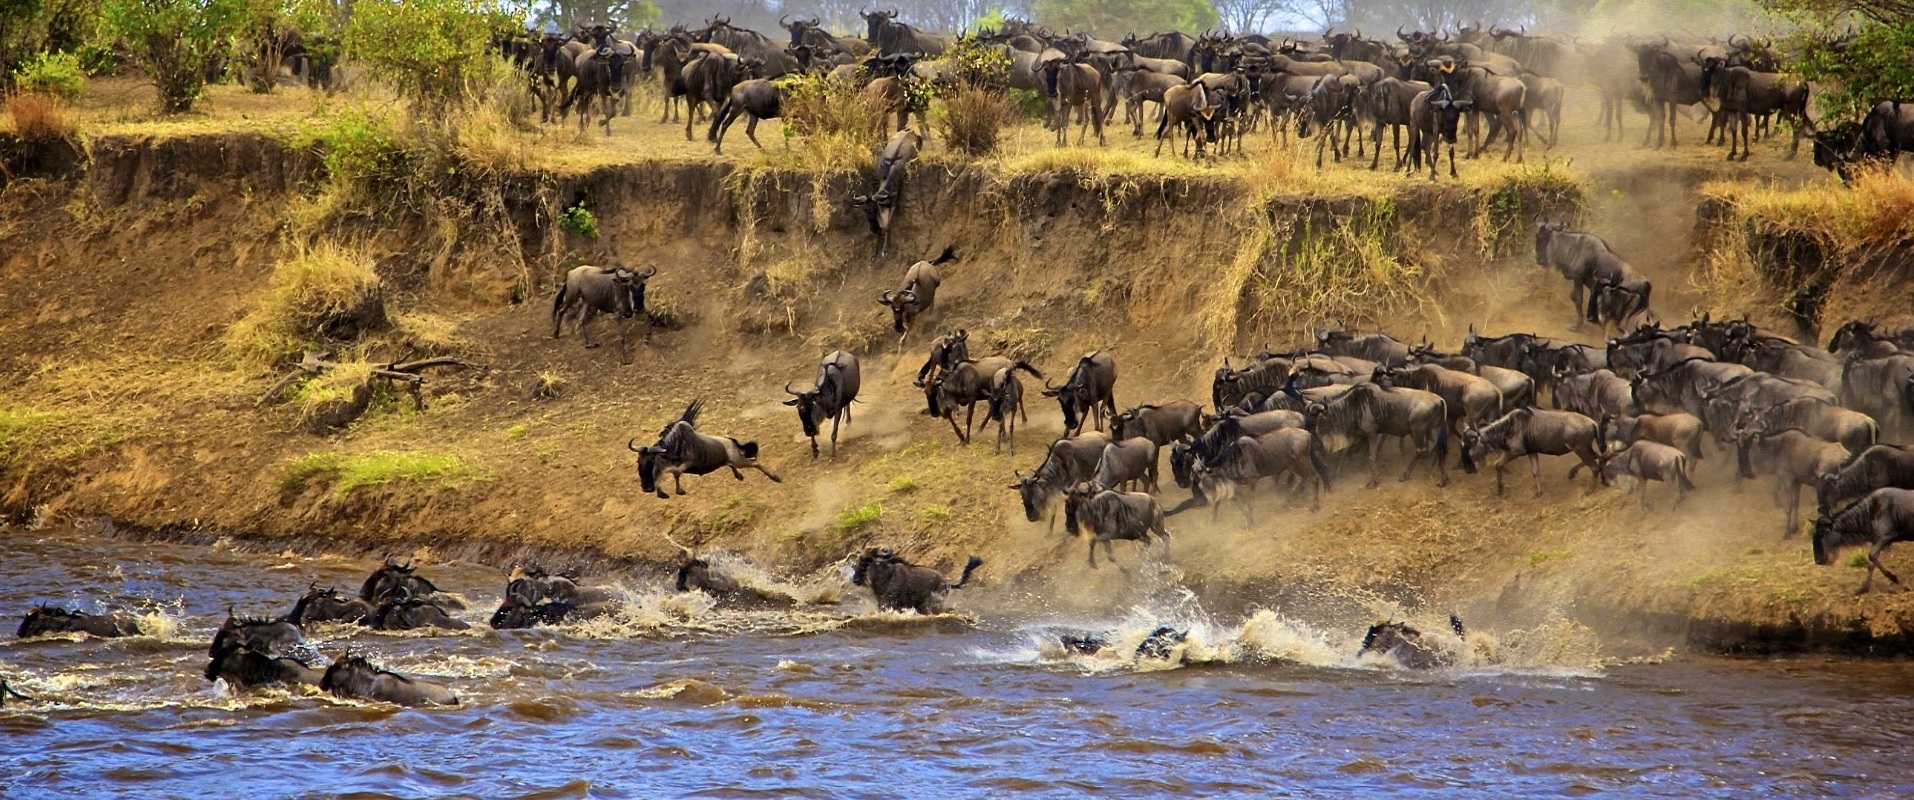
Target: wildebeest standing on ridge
898,585
829,398
681,449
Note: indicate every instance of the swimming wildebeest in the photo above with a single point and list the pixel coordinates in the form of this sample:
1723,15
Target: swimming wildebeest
400,610
7,692
616,290
354,677
1793,457
918,292
1069,461
1249,459
881,204
513,615
1535,432
830,397
327,605
1648,461
899,585
1160,644
43,620
1406,645
1111,515
1880,519
1375,411
256,652
681,449
1090,392
1584,259
533,585
393,575
1882,466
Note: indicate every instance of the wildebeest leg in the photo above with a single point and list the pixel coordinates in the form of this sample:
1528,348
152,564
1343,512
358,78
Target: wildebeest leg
1575,298
678,482
841,414
951,416
1093,553
1794,510
1242,499
1375,452
584,321
767,473
970,415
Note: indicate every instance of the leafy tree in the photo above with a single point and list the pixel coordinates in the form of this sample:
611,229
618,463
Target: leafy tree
563,14
178,42
1111,19
434,53
1875,64
15,15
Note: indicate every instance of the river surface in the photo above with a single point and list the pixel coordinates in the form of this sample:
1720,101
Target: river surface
681,697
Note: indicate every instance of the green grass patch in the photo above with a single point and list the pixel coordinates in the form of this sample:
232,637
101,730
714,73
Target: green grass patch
1857,560
857,519
903,485
352,471
23,427
1541,557
934,514
517,431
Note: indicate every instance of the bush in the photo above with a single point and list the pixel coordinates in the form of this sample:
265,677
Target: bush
435,53
579,219
323,293
56,74
177,41
841,127
38,117
359,150
974,119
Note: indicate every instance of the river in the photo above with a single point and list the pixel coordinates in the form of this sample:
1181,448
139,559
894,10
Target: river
680,697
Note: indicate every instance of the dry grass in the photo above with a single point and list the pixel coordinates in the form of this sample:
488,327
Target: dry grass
974,119
837,126
37,117
309,287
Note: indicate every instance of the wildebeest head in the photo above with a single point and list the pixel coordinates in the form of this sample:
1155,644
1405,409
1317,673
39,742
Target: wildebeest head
809,410
650,467
879,557
1853,335
391,575
902,303
875,21
1073,499
1835,147
1034,496
1545,231
274,638
1822,531
45,619
326,605
1448,113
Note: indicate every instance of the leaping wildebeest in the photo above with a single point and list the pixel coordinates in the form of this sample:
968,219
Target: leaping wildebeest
1535,432
1880,519
681,449
829,398
1089,392
898,585
1111,515
593,290
918,292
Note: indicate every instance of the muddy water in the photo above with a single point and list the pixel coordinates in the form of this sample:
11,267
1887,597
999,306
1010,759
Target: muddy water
680,698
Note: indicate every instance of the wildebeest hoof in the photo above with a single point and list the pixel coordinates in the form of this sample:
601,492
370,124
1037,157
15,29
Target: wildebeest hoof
663,496
681,492
590,345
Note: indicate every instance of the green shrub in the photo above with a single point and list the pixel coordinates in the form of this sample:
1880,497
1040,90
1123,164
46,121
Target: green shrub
177,42
351,472
579,219
57,74
436,53
857,519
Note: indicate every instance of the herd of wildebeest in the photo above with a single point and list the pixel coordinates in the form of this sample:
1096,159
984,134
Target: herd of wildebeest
1216,87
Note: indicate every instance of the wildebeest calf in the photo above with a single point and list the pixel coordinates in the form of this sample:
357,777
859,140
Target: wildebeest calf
1110,515
1648,461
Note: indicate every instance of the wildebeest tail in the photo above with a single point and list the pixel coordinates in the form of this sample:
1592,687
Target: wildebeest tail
1465,461
1681,474
558,300
969,567
749,449
1442,438
949,254
1025,366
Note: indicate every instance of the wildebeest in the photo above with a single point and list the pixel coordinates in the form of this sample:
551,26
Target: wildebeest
1594,394
392,575
830,397
1880,519
514,615
594,290
1376,411
918,292
1069,461
1161,423
946,352
43,620
1136,87
889,37
1819,418
1471,400
899,585
1679,430
757,99
1620,301
1407,646
1685,386
355,677
1878,467
1516,388
1006,405
1793,457
1380,348
533,585
603,77
1880,387
1742,94
1501,98
1074,87
1433,116
248,651
1543,105
1126,461
1389,102
1189,107
327,605
966,385
708,79
682,450
1534,433
1089,393
1110,515
1669,81
1648,461
1584,259
1249,459
881,203
399,610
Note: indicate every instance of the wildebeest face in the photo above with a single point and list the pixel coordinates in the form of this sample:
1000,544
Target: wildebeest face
697,568
1072,500
1034,497
807,408
1823,528
1544,233
903,305
1182,464
650,466
44,619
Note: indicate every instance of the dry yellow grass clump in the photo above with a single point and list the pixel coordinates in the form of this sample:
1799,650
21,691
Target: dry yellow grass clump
33,116
321,292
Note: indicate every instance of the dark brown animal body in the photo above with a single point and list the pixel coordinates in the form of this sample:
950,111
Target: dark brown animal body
1534,433
354,677
1110,515
44,620
1880,519
899,585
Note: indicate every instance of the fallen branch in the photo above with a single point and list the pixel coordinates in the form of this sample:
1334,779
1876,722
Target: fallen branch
317,362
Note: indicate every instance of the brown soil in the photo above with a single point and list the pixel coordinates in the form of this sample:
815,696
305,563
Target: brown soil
123,401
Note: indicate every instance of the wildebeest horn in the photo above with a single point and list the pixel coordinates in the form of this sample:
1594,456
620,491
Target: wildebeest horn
784,21
1400,34
650,270
885,298
787,390
629,445
907,296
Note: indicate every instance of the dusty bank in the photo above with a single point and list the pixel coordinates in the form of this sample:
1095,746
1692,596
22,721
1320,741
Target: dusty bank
136,278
